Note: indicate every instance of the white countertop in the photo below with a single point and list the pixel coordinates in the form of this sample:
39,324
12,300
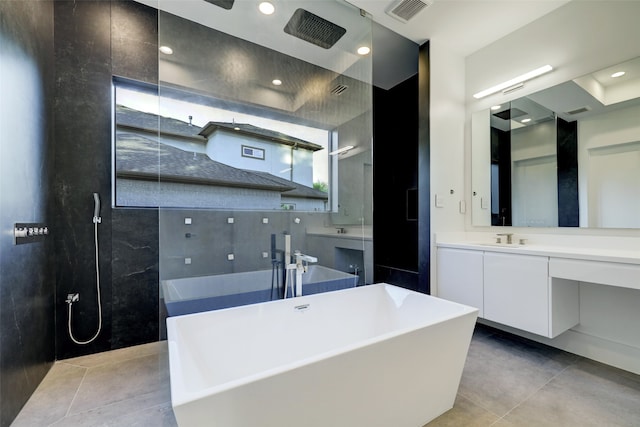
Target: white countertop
352,236
627,256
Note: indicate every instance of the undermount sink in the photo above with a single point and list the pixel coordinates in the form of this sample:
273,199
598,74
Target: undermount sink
500,245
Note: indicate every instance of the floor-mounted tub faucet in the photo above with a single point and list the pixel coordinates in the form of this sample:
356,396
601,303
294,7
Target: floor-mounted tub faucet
300,267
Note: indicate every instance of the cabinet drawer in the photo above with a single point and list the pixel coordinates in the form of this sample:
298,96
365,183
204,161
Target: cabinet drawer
606,273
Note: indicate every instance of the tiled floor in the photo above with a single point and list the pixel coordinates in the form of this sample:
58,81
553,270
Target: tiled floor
127,387
507,381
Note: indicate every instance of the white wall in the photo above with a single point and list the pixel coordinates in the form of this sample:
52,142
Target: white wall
609,167
534,176
447,129
578,38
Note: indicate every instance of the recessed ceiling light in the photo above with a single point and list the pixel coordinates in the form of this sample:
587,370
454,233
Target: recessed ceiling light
526,120
267,8
364,50
166,50
618,74
496,107
276,82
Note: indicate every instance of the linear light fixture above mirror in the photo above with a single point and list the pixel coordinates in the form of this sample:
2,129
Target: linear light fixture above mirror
513,82
341,150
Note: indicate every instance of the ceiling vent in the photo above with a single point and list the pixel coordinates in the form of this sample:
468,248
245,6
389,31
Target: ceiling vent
579,110
404,10
314,29
339,89
225,4
510,113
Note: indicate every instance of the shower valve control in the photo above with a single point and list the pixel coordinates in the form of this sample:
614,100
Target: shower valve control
73,298
29,232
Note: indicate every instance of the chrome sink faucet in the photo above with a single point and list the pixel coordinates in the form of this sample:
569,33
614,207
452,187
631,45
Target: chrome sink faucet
508,235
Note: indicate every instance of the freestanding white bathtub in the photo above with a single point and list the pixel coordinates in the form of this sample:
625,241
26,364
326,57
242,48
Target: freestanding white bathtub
376,355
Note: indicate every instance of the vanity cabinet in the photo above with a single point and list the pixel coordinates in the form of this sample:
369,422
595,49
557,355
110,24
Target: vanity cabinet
516,291
459,274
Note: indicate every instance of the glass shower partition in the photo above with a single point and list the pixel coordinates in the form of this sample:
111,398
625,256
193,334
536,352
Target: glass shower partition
265,149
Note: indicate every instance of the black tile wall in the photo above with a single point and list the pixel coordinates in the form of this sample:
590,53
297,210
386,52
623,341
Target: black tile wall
134,267
93,42
83,139
395,157
26,278
134,41
568,205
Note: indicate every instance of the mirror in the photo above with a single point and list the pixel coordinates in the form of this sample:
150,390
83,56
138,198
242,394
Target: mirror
565,156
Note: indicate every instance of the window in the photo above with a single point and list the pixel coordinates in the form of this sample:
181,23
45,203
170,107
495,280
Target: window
174,152
255,153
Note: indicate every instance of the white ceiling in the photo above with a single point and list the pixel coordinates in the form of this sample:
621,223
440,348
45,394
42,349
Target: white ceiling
464,25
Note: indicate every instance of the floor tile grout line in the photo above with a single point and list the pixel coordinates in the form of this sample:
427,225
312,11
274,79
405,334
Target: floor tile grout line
98,408
75,395
479,404
535,392
110,362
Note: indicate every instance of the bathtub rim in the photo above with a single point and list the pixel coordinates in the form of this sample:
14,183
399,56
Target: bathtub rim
180,395
169,286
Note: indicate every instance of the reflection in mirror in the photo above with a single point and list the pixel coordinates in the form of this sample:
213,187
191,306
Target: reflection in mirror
565,156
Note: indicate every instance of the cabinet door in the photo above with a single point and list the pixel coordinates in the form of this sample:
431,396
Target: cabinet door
516,291
459,277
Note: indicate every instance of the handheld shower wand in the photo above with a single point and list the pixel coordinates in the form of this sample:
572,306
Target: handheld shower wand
71,298
96,208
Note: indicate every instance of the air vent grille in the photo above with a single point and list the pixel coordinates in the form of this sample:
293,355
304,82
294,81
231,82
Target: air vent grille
404,10
579,110
225,4
339,89
314,29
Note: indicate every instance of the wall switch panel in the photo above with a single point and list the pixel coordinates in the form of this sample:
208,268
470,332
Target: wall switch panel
230,220
187,221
